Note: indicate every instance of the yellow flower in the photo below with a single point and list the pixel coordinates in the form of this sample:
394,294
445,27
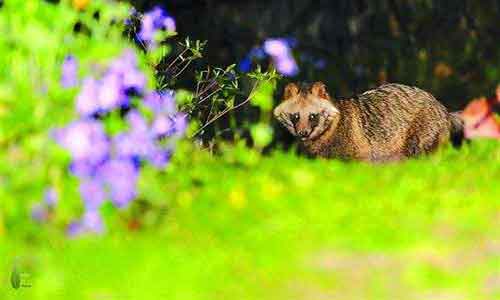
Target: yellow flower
237,198
80,4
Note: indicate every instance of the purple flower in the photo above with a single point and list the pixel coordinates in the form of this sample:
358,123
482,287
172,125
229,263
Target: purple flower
74,229
279,49
123,63
133,145
134,80
281,55
163,126
91,222
108,168
92,193
166,126
50,197
126,68
286,66
276,47
141,142
137,121
85,140
86,101
169,24
111,93
159,158
84,167
153,21
258,53
245,65
180,121
137,142
291,41
148,28
69,77
161,103
120,178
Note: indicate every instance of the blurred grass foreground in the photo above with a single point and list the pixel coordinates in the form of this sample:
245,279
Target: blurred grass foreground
105,195
283,227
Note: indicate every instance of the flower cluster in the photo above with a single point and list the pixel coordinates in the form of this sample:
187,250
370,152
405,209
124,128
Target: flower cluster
153,22
108,166
120,81
279,50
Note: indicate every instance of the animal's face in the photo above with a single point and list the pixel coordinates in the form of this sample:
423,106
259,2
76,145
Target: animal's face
308,112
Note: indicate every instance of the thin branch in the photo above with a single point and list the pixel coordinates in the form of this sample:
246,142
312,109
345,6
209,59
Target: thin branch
227,110
208,96
176,58
182,70
207,88
210,112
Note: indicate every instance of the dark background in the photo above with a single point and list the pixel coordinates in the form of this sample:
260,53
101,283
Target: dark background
450,48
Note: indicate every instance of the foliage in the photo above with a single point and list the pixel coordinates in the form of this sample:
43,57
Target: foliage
218,93
57,46
99,88
36,39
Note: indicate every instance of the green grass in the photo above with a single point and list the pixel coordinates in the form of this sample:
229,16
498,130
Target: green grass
283,227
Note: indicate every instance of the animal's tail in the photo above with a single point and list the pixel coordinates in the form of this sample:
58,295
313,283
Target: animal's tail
457,135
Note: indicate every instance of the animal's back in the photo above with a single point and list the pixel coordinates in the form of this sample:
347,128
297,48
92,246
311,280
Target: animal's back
393,121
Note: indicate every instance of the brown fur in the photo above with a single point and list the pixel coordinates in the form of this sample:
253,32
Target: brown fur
390,122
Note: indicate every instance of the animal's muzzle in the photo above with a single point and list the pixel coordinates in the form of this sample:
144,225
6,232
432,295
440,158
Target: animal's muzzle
303,133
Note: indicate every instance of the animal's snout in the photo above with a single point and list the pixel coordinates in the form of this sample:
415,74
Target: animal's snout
303,133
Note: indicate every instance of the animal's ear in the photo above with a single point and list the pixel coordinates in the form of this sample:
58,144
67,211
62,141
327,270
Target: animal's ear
291,90
318,89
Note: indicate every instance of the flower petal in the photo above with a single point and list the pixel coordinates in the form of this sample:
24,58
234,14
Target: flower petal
69,76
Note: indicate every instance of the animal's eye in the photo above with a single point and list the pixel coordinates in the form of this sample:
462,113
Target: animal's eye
313,117
295,117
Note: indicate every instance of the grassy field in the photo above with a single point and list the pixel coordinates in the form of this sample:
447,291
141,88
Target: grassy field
285,227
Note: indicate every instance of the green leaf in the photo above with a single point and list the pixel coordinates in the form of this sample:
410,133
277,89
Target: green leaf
262,135
263,97
183,96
